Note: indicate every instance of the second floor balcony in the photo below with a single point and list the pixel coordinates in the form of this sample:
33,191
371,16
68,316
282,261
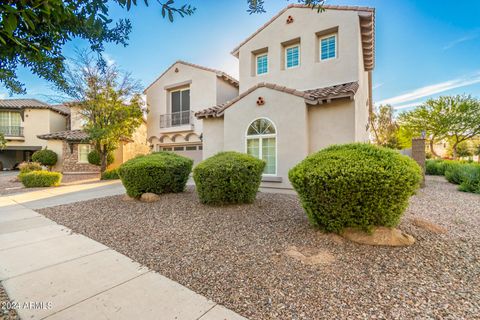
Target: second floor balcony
12,131
176,119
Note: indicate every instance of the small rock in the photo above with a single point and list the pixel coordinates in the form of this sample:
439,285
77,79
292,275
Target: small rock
149,197
380,236
429,226
323,257
127,198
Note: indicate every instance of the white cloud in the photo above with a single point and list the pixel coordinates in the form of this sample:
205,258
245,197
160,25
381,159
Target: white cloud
460,40
432,89
408,105
377,85
108,58
3,95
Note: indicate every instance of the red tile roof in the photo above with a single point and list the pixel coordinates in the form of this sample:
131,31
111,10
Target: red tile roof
219,73
21,104
312,97
69,135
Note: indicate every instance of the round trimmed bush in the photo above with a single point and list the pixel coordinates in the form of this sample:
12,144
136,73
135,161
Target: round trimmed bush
160,172
46,157
95,159
228,177
355,185
36,179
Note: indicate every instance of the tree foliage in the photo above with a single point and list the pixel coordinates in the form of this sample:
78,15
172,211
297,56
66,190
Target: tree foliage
384,127
3,141
456,118
108,100
33,32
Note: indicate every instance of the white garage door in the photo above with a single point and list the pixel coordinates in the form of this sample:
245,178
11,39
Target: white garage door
193,152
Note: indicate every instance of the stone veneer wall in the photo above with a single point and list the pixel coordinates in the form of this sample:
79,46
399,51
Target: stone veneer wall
70,160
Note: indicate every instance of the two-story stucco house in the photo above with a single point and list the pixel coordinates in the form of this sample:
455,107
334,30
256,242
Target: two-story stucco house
305,83
21,120
174,97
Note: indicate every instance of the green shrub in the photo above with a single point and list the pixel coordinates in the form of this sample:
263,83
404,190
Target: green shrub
36,179
45,157
95,159
159,172
110,174
29,166
471,180
355,185
228,177
455,172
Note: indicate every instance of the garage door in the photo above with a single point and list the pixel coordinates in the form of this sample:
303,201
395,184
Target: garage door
193,152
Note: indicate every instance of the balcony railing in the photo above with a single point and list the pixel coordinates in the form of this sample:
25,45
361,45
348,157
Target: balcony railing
12,131
176,119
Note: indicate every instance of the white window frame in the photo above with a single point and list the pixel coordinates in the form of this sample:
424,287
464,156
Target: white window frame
336,46
180,90
78,152
256,63
286,57
260,145
10,116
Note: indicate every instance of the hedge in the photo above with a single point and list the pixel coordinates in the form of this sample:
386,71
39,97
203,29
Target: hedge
36,179
29,166
228,177
95,159
160,172
355,185
110,174
45,157
464,173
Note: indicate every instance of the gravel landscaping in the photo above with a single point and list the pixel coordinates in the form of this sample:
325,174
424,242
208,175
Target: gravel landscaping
6,313
265,261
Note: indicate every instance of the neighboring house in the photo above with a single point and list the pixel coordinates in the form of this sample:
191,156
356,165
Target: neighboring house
172,99
305,83
73,146
21,120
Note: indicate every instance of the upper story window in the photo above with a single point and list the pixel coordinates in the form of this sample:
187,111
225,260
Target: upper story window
180,107
328,47
10,123
292,56
262,63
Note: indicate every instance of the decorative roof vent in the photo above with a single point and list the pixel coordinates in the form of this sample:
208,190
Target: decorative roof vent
260,101
176,70
289,19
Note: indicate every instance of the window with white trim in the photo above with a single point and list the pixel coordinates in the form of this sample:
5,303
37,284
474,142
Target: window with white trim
292,56
180,107
262,143
10,123
262,63
83,151
328,47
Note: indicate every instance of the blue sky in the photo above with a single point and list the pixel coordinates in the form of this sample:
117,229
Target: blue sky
423,48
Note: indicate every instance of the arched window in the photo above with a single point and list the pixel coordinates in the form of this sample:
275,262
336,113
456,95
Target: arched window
262,144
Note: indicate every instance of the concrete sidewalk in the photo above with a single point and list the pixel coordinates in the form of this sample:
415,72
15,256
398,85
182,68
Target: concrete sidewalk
54,274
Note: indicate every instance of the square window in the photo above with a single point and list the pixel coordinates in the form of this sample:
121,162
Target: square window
262,64
328,47
292,57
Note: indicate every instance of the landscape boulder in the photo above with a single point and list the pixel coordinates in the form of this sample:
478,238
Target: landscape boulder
149,197
380,236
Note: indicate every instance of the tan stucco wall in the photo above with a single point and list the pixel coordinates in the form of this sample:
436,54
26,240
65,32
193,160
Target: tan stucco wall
225,91
57,147
37,122
129,150
202,95
311,73
213,135
289,115
58,122
76,119
331,123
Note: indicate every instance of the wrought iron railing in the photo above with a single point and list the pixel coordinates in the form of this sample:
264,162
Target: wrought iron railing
11,131
176,119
